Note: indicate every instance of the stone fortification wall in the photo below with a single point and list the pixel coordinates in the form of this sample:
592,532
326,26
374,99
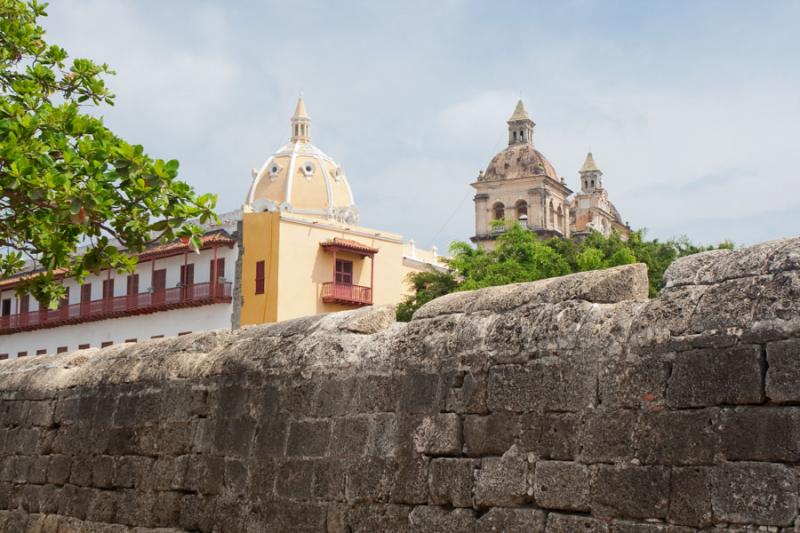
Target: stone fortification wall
566,405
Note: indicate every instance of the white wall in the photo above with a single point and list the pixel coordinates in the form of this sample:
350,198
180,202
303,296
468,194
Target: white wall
117,330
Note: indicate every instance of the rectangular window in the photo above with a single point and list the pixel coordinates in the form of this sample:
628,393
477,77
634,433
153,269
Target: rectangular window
24,304
105,344
182,333
41,352
130,340
3,356
22,354
157,336
218,271
61,349
83,346
259,277
133,285
159,285
108,289
187,274
344,272
86,293
86,297
6,308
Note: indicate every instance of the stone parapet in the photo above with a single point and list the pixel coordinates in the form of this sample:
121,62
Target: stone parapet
570,404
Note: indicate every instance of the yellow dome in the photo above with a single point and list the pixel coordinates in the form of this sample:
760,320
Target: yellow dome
301,178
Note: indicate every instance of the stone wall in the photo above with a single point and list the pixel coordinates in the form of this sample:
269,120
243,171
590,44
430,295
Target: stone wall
566,405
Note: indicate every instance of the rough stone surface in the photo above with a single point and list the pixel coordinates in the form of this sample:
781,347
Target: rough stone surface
566,405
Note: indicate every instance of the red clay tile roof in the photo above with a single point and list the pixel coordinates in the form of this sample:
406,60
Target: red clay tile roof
350,246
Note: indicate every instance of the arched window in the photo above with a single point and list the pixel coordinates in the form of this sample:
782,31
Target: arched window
592,183
499,211
522,136
560,214
552,215
515,136
522,209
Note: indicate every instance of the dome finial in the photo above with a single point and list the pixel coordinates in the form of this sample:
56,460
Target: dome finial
301,122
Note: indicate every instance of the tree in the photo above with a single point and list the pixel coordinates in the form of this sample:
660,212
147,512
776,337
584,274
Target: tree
67,181
520,256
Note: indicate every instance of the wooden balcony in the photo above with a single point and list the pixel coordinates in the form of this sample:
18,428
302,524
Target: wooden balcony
120,306
346,294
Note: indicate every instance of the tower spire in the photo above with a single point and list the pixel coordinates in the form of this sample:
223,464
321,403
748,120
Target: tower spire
520,126
591,176
301,123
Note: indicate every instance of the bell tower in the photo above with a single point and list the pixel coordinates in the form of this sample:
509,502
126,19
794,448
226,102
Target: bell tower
591,176
520,126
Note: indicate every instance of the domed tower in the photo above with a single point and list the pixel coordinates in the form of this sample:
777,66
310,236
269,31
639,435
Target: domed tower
591,208
300,178
520,185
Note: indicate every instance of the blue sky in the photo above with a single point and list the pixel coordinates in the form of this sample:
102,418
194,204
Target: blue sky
690,108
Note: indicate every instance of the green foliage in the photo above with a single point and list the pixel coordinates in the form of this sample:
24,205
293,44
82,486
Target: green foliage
66,179
520,256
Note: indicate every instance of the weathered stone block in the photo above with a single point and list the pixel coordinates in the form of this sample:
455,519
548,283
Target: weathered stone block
334,397
349,436
631,527
502,481
607,436
677,437
690,497
410,484
754,493
561,485
783,371
551,435
634,383
561,523
428,519
509,520
376,393
309,438
543,384
382,440
421,393
468,394
451,481
295,479
630,491
370,518
711,377
369,480
761,434
439,435
491,434
234,436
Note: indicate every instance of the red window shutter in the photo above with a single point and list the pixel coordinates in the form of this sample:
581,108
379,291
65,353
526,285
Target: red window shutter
133,284
24,304
42,351
260,277
86,293
108,289
61,349
219,271
187,274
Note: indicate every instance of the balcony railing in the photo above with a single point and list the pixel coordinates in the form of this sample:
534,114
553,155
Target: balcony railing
147,302
346,294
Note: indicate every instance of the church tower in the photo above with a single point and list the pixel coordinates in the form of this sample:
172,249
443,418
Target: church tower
520,186
591,176
520,126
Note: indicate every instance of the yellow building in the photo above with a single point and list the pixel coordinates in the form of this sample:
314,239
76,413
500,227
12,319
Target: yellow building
302,251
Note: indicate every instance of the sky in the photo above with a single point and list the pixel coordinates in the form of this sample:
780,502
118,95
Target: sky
691,109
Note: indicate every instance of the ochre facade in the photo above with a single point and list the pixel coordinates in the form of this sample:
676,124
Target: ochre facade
303,252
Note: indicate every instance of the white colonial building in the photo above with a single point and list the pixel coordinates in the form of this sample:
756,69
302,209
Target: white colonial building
173,291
